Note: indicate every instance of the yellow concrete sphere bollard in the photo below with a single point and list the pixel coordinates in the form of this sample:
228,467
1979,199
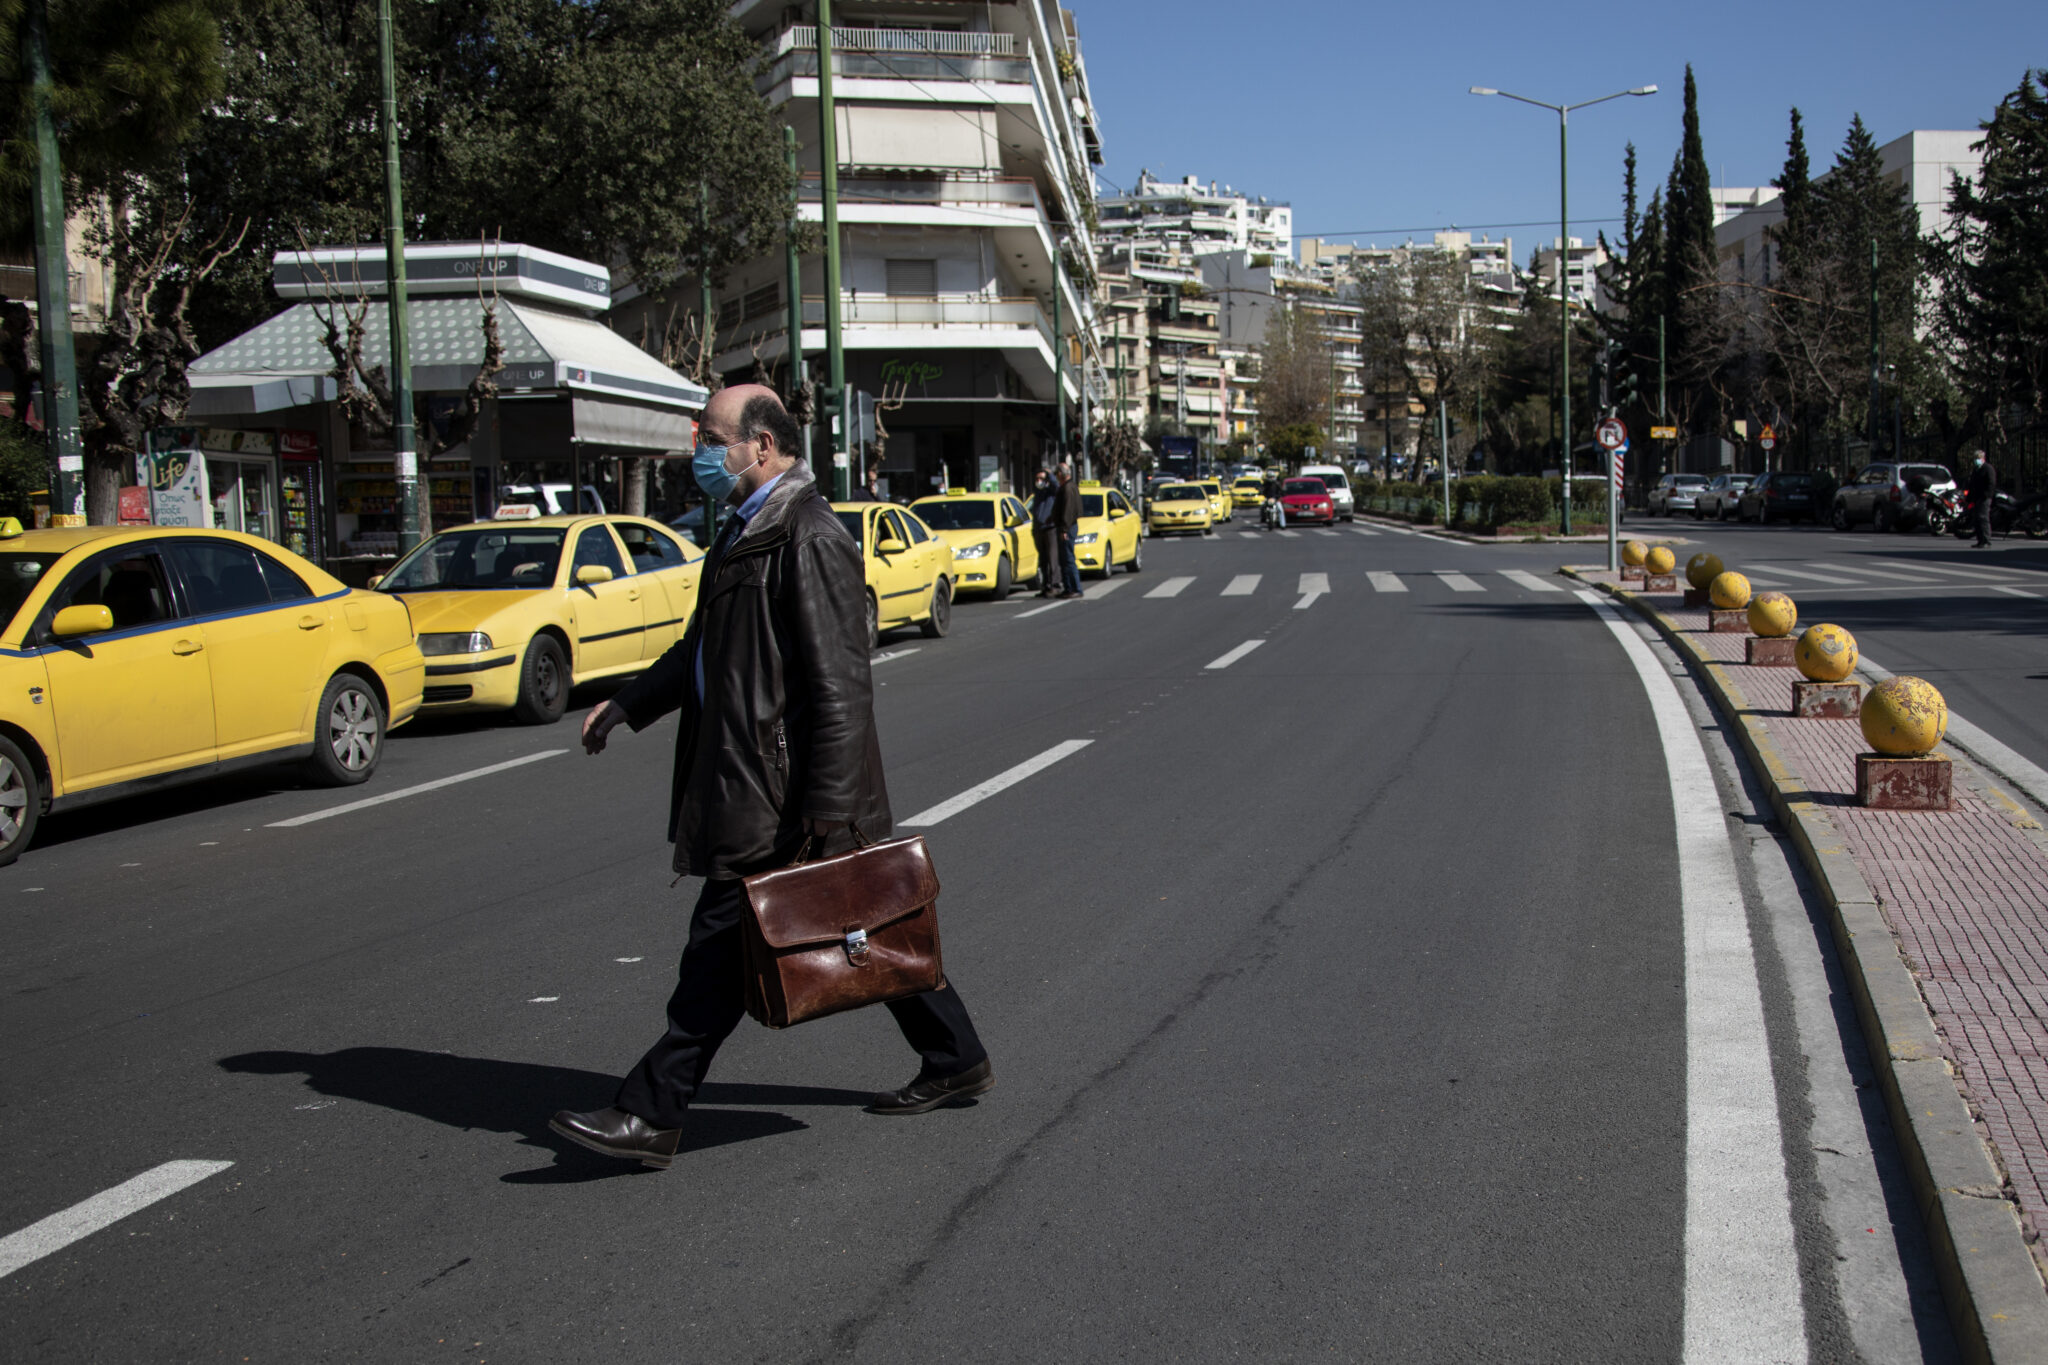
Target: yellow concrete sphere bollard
1904,716
1772,615
1702,569
1826,653
1729,591
1634,553
1659,560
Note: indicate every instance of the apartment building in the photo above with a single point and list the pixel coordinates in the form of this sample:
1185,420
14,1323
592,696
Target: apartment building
1585,268
1187,218
966,141
1249,288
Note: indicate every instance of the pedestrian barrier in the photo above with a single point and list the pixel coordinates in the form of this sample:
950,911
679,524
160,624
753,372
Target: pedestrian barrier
1632,556
1702,569
1728,596
1903,719
1657,566
1771,615
1826,655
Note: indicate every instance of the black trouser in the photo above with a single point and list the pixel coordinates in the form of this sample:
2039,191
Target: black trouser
1980,515
1048,558
710,998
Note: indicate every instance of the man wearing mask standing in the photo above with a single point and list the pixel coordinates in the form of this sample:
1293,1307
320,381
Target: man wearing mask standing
1066,523
1983,492
1042,499
776,748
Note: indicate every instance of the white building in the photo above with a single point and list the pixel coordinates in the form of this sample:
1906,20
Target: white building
1185,217
966,136
1584,264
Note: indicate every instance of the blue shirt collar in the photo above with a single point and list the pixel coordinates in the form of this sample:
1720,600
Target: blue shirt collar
757,499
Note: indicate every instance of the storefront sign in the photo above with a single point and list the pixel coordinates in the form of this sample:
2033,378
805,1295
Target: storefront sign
134,508
177,488
294,442
914,372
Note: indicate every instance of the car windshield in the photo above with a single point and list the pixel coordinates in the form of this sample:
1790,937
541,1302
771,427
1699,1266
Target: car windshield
1248,483
1933,473
1181,492
484,557
1093,505
1312,488
1738,480
1333,482
1791,480
19,574
956,514
1688,480
853,522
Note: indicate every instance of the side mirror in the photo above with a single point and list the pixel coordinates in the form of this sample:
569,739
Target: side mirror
375,579
82,621
1016,521
593,573
1117,514
890,546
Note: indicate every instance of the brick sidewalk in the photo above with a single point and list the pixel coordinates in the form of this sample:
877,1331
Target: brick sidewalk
1966,894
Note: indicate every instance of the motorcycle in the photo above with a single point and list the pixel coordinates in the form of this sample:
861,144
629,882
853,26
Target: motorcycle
1947,512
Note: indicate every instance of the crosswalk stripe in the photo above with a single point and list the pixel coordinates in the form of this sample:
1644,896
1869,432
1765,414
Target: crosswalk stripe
2016,592
1104,589
1325,531
1867,573
1816,577
1172,587
1244,585
1949,570
1386,582
1457,582
1529,580
1289,534
1313,585
1361,530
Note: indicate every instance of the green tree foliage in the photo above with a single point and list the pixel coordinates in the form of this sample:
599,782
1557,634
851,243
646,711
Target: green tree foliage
1992,313
1289,442
592,127
1690,261
130,79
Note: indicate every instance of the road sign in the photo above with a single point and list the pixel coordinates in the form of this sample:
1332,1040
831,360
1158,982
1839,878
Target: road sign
1663,433
1767,437
1612,433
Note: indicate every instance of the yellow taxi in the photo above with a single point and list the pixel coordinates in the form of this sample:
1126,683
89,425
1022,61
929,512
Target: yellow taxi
1248,491
1182,509
514,612
1109,532
135,656
1218,499
909,570
990,534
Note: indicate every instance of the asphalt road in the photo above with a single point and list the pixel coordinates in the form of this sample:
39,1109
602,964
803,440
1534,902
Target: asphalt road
1337,996
1972,622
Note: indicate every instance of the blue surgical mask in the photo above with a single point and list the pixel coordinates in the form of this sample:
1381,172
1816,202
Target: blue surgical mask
708,465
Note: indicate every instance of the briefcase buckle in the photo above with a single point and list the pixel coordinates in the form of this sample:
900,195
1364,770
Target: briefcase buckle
857,947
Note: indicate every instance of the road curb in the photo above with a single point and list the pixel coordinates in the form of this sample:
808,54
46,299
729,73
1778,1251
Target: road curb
1989,1278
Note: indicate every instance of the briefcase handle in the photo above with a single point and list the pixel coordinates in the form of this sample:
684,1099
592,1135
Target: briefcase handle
813,842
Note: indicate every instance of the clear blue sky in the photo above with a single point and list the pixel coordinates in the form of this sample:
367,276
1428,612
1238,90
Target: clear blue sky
1357,114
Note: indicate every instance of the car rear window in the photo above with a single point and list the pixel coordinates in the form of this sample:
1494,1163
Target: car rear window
1933,473
1791,480
1688,480
854,522
956,514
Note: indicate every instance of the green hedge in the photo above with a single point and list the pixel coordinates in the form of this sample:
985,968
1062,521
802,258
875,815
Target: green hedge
1485,502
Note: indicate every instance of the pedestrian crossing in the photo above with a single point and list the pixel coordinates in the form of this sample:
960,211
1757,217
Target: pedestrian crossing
1308,588
1880,575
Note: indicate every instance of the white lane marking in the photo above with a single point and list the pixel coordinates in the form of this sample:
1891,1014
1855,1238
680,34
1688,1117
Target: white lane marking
626,959
1361,530
1010,777
1234,655
1741,1270
1102,589
1244,585
1172,587
1326,531
1529,580
1995,587
60,1230
1038,611
404,792
1289,534
1807,573
1386,582
1457,582
889,654
1313,585
1861,572
544,1000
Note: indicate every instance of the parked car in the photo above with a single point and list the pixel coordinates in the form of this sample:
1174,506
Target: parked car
1888,495
1674,493
1717,499
1778,495
981,527
909,570
1333,479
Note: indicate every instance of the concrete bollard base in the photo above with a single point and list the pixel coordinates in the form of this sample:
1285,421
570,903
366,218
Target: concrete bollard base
1768,651
1632,573
1827,701
1915,782
1721,621
1696,597
1660,582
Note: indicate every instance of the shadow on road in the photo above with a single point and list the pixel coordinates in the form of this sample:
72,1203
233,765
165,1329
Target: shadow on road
518,1097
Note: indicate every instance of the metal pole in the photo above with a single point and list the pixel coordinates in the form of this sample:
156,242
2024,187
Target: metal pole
1059,364
53,285
1564,313
405,463
1874,424
835,354
796,283
1443,463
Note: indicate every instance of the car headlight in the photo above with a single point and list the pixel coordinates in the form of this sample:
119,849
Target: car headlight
972,552
465,642
1087,537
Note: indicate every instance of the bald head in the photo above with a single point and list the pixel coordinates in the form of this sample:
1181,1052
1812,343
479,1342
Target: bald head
760,437
722,414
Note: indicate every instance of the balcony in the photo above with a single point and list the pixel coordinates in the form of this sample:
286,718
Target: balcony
1010,190
804,37
917,53
933,314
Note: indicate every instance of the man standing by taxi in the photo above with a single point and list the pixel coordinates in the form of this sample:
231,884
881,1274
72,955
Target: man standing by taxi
776,747
1066,524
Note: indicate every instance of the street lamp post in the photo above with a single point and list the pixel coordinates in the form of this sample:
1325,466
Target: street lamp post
1564,296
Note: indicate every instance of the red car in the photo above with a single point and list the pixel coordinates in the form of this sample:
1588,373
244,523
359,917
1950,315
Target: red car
1307,500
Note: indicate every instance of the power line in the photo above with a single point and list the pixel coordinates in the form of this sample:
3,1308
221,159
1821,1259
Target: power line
1447,227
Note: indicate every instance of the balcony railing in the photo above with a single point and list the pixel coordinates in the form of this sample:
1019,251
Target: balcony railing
881,310
944,42
874,190
917,53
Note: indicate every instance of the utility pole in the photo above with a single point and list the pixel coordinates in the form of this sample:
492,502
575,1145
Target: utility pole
1874,423
53,285
835,353
796,284
1059,365
404,460
1443,446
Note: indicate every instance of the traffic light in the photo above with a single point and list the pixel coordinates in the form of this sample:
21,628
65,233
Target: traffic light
1628,390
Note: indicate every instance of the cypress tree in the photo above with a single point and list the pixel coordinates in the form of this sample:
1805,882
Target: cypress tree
1794,184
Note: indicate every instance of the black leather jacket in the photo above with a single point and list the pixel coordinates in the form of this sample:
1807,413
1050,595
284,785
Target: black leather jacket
786,731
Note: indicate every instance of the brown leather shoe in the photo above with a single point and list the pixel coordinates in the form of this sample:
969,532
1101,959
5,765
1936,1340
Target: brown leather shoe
921,1096
615,1132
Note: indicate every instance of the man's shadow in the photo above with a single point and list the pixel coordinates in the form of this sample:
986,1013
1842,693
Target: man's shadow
519,1097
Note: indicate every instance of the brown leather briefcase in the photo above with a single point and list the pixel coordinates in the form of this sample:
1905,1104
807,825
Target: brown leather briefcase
857,929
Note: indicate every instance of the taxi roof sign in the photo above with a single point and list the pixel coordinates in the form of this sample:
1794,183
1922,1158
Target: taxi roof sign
516,511
10,527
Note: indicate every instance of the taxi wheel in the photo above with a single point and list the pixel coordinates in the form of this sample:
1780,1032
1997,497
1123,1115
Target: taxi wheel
1209,530
349,735
543,683
1137,558
21,801
940,620
874,624
1003,579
